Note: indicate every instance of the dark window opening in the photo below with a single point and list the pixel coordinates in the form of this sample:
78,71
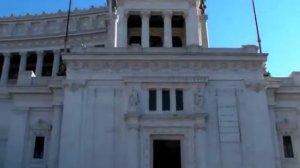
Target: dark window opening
31,62
178,22
135,40
14,66
166,100
1,64
99,46
166,154
39,146
288,147
156,21
134,24
152,100
134,21
177,42
179,99
47,64
156,41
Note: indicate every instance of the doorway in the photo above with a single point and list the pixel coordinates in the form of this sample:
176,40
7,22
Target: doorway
166,154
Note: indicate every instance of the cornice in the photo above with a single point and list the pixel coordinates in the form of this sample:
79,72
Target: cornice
58,14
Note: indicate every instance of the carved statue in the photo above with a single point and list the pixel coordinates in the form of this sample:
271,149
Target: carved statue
202,6
134,101
198,101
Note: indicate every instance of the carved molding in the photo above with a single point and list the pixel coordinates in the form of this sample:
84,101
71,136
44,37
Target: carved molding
256,86
74,85
161,66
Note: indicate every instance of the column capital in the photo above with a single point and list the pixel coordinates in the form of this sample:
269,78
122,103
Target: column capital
23,53
145,13
6,54
167,13
40,53
56,52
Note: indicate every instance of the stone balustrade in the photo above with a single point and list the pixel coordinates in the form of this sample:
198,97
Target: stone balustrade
51,24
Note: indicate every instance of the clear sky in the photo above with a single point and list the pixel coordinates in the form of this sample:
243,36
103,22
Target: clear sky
230,24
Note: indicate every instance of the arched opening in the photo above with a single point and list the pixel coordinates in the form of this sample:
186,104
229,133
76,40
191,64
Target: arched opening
178,31
134,31
47,63
14,68
31,61
156,31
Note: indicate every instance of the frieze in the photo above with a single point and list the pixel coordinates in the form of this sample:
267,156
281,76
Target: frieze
256,86
74,85
161,66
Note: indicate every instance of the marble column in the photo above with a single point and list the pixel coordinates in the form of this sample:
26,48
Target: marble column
200,141
122,28
16,138
167,28
145,28
23,61
5,68
55,137
56,60
39,63
203,29
133,141
191,23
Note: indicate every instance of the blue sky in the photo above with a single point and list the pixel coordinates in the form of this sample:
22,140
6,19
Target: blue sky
230,24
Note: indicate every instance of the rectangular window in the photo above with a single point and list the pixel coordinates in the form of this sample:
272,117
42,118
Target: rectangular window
39,144
287,147
166,100
152,100
179,99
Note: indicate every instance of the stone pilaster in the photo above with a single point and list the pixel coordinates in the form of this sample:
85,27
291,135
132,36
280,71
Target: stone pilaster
16,138
56,61
55,137
167,28
39,63
200,140
145,28
203,29
5,68
23,61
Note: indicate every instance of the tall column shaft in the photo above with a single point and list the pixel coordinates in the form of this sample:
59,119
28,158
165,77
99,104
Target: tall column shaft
167,29
145,29
133,152
203,30
16,139
5,69
122,28
200,146
56,60
39,63
23,61
55,137
192,32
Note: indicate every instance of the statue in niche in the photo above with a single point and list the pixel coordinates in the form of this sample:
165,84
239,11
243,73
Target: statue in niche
198,101
134,101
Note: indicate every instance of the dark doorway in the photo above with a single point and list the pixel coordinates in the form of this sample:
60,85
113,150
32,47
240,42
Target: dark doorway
166,154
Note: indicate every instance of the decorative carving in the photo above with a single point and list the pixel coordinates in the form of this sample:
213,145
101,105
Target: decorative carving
256,86
198,101
73,86
134,101
286,126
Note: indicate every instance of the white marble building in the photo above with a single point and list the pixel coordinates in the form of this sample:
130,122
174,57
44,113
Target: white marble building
142,89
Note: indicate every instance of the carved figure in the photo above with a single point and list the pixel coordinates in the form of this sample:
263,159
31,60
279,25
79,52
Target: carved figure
134,101
198,101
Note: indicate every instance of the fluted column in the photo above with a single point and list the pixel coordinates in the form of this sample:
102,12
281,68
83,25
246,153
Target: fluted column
5,68
22,66
167,28
55,136
56,60
145,28
39,63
